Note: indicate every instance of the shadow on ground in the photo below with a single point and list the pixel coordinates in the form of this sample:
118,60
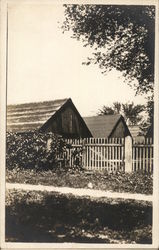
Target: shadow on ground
64,218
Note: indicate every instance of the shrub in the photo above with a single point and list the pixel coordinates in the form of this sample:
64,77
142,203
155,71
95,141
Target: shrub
29,150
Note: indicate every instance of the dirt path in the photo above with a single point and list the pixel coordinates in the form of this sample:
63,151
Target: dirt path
80,191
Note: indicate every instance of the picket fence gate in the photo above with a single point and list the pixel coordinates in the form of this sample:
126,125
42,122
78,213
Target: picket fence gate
111,154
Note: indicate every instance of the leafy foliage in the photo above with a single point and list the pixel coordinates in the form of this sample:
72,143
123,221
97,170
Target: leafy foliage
29,150
148,123
130,111
107,111
123,38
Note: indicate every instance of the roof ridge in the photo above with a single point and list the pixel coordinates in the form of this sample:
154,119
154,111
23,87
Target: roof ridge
102,115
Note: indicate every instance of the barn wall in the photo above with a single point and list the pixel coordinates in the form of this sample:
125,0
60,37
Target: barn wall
68,124
120,131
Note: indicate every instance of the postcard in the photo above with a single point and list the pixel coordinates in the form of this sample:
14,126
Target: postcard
79,124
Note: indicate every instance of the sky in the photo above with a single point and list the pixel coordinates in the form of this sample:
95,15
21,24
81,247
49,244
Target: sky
45,64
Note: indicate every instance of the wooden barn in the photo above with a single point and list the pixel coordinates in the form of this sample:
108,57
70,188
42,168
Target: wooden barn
58,116
107,126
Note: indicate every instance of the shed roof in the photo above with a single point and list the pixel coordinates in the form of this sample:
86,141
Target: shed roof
135,130
31,116
102,126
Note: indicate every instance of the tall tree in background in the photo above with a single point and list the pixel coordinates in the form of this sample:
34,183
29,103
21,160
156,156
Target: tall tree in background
117,107
107,110
149,122
130,111
122,37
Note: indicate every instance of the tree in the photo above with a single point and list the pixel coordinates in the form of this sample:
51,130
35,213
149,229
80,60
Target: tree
106,111
123,38
130,111
150,111
115,109
149,121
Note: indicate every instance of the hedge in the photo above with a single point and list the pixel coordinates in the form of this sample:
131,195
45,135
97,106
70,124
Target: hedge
29,150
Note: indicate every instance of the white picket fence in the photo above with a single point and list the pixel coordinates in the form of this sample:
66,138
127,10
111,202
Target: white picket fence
111,154
103,154
142,155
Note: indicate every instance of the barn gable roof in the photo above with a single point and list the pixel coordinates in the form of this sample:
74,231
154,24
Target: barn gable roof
103,126
31,116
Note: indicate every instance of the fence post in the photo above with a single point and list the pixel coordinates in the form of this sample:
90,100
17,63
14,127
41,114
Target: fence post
48,144
84,153
128,154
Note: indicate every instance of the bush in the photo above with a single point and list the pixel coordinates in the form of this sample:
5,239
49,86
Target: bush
29,150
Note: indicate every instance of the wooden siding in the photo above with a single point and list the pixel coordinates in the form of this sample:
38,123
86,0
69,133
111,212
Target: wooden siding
120,131
68,124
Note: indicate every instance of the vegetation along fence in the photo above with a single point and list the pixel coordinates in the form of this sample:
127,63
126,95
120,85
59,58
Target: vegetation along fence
111,154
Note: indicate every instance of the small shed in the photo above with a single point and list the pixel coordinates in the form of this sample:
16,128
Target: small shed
137,133
134,130
107,126
58,116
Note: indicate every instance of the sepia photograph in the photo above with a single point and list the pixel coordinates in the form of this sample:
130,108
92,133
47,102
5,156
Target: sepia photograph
79,135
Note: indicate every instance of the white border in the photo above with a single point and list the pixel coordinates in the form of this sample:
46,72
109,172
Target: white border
3,63
156,136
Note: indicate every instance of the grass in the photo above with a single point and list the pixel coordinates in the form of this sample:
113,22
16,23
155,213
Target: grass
136,182
33,216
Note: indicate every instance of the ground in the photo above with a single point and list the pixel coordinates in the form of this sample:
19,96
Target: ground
51,217
42,216
135,182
